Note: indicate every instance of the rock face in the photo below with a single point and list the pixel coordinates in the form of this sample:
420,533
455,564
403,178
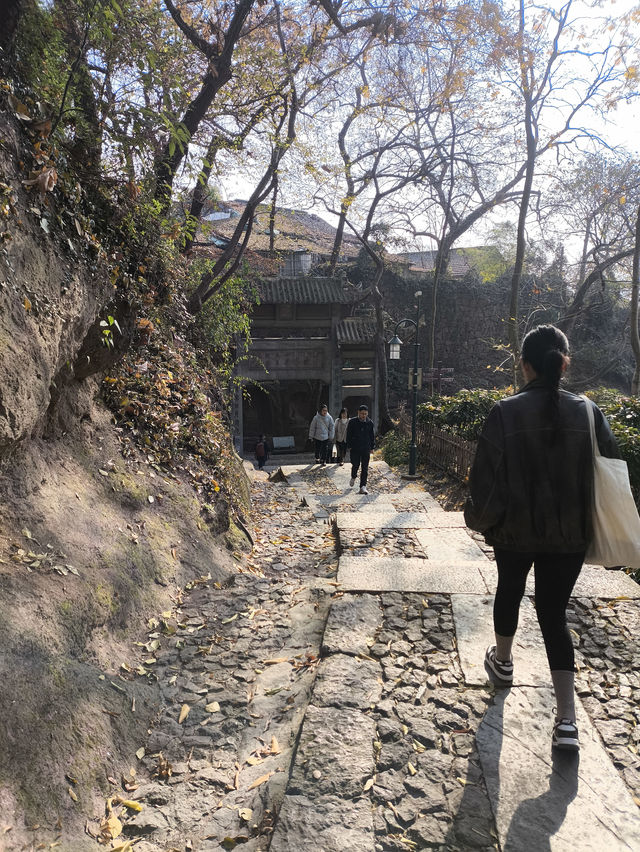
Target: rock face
53,285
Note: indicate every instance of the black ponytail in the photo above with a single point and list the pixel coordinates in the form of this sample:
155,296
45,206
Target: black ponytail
546,349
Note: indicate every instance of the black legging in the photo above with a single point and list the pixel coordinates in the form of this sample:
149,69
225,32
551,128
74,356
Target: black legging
555,575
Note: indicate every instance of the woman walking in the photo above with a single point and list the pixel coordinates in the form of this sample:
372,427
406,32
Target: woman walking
341,435
321,430
531,497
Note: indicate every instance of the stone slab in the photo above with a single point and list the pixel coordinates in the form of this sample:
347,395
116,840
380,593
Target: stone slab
449,544
473,619
345,681
324,824
397,574
352,625
383,520
543,801
335,755
373,502
593,582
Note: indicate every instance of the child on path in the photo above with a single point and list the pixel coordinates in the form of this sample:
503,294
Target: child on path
321,430
360,441
531,496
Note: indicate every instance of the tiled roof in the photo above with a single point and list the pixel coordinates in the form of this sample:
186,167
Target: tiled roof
353,330
301,291
296,230
458,264
461,260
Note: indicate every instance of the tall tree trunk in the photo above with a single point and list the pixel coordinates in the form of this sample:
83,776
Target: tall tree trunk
635,336
527,87
272,216
385,422
217,75
199,196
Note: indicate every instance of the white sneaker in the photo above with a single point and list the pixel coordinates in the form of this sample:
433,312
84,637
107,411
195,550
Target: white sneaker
352,481
363,490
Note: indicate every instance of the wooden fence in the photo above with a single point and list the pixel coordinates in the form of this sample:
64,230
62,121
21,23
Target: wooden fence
446,451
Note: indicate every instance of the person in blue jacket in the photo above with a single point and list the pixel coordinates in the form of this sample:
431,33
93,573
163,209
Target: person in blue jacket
360,442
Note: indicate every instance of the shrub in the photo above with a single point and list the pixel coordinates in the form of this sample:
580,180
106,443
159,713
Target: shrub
395,448
464,413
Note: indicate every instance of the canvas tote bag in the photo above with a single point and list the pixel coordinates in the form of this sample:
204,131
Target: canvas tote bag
616,525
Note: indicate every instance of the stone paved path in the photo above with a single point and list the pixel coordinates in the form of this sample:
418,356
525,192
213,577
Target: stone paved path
305,711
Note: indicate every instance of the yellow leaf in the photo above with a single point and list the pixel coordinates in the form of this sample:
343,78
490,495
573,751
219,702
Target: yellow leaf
229,620
73,795
214,707
369,784
129,803
275,746
276,660
184,712
253,761
27,304
140,753
245,813
111,827
260,780
412,769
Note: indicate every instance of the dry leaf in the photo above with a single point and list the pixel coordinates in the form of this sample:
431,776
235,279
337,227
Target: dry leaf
184,712
73,795
140,753
276,660
275,746
111,827
261,780
245,813
369,784
129,803
254,761
214,707
412,769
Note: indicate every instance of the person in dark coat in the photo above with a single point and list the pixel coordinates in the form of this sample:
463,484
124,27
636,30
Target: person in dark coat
360,441
262,451
531,487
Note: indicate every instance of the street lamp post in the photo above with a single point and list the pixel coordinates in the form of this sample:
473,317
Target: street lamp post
394,355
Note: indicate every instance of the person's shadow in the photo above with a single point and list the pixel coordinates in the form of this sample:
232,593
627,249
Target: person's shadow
536,820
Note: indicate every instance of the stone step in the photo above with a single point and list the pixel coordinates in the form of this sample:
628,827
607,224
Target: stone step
560,802
399,520
399,574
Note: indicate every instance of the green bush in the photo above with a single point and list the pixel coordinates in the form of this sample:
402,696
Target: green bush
464,413
623,414
395,449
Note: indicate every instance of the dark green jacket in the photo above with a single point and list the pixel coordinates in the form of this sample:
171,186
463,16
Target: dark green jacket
531,485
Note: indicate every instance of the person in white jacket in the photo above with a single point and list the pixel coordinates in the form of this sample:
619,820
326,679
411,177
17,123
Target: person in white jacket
341,435
322,430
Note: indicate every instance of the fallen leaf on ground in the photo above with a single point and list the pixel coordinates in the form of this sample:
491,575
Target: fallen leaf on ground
72,794
275,746
111,827
261,780
140,753
184,712
214,707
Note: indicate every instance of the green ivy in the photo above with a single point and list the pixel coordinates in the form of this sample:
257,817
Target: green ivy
464,413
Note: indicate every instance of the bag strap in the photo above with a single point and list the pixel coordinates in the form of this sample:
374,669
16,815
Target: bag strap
592,427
